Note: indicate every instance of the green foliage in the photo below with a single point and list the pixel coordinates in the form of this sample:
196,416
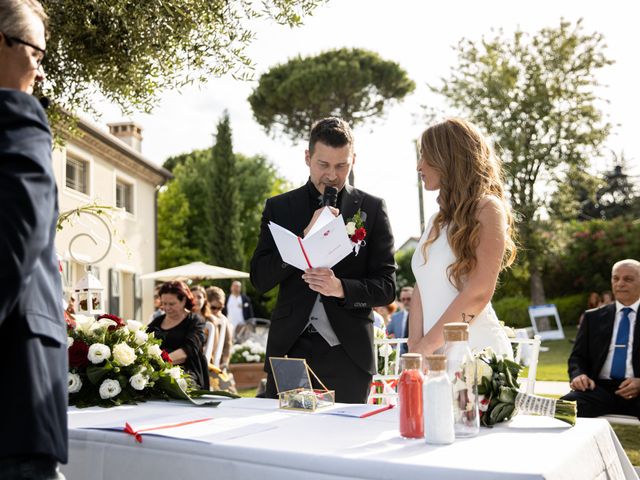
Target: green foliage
353,84
175,246
130,52
404,273
585,252
513,311
195,210
535,95
225,243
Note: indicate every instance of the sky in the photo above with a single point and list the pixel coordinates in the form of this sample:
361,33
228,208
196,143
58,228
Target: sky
419,35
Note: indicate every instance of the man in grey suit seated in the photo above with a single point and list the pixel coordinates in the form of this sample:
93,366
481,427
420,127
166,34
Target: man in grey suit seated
33,338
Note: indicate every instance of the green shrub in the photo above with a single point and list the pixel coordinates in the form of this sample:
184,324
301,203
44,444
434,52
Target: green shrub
514,311
570,308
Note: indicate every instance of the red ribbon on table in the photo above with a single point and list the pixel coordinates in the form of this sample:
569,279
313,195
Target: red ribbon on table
128,429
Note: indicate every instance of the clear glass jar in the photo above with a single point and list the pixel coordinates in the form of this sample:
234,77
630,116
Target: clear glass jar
410,396
438,403
462,372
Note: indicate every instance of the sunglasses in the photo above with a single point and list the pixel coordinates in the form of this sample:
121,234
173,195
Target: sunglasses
215,309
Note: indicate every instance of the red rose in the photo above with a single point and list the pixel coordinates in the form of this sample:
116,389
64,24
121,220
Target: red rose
78,354
166,357
359,235
118,320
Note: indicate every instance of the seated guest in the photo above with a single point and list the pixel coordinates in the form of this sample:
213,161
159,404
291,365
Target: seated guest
181,331
604,365
157,305
398,323
594,301
216,297
607,297
386,311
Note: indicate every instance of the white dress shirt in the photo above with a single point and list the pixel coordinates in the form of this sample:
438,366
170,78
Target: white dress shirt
605,373
234,310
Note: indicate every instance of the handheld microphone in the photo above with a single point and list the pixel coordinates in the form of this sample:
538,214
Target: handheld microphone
330,197
45,102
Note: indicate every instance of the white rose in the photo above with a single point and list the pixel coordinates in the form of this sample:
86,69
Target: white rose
102,323
140,337
69,342
182,383
175,372
482,368
124,354
138,381
109,389
134,325
83,323
245,354
351,228
154,350
379,333
75,383
385,350
98,353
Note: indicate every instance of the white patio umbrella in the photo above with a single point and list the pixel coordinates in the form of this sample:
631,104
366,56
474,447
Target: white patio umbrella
194,271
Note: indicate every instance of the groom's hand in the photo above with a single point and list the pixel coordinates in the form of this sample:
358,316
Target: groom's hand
323,281
316,214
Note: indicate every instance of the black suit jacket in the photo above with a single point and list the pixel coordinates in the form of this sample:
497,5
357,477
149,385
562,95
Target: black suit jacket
33,339
593,340
368,279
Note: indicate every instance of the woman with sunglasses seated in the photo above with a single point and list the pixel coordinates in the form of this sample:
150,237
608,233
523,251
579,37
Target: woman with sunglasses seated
181,331
216,298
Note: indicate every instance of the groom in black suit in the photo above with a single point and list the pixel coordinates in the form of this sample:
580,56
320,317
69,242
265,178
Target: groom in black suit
604,365
322,314
33,337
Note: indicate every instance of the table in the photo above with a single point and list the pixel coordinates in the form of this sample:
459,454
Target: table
253,439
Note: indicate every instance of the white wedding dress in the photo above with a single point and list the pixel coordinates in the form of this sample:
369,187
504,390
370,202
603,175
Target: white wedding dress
437,293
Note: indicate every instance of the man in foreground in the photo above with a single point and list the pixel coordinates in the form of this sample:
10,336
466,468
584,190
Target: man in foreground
33,339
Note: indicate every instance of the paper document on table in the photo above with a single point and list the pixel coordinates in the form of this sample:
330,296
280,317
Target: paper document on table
325,245
357,410
186,427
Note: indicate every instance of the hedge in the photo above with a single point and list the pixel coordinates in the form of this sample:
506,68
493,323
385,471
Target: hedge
513,311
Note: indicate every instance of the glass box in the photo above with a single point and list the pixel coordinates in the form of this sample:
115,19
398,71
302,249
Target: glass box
295,390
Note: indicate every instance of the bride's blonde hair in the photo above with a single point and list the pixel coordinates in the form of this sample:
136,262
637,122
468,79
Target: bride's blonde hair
469,171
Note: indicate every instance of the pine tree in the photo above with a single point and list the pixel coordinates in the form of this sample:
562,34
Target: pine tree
225,245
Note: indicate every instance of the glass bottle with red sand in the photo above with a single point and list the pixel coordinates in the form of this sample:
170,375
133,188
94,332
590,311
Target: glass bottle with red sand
410,396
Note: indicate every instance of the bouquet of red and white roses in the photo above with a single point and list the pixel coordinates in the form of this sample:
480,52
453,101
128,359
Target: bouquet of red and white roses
499,397
112,362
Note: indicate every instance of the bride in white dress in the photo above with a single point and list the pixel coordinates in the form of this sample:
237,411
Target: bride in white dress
465,245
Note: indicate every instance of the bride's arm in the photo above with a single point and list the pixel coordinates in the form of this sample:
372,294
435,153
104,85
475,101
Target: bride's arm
415,320
481,282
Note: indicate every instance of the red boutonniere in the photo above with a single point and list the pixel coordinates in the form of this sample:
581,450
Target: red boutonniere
356,231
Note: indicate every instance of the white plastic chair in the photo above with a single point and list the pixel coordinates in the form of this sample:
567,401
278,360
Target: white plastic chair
211,338
530,356
388,373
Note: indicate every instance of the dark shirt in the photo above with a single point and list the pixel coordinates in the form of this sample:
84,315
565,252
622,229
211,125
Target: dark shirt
188,335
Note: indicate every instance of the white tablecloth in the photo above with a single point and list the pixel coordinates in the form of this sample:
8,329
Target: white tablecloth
252,439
